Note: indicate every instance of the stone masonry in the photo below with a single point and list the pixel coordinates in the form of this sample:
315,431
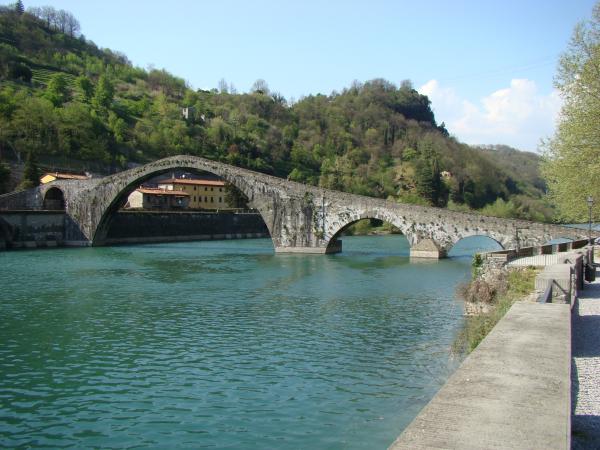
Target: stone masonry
299,218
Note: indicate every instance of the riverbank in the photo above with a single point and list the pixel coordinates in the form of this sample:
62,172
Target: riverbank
487,299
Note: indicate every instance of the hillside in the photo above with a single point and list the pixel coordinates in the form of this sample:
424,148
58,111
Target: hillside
75,106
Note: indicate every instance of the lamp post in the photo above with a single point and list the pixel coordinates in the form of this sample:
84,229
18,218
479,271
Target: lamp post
590,203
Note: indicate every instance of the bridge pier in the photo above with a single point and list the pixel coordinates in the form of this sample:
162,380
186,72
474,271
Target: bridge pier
427,248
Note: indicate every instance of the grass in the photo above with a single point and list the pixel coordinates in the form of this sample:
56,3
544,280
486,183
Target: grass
519,283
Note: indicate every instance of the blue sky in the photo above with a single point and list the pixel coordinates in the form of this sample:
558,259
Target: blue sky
487,66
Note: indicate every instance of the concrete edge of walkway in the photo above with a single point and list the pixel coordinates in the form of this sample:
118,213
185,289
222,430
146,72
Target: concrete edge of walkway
513,391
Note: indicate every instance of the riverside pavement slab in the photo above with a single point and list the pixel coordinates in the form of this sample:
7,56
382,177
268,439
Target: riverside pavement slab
512,392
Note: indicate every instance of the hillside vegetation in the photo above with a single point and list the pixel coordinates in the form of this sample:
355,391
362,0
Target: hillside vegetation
76,106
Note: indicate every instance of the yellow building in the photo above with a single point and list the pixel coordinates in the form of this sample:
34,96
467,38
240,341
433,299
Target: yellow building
204,194
51,176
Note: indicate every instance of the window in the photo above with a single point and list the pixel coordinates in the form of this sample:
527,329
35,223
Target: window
212,199
220,200
194,187
206,199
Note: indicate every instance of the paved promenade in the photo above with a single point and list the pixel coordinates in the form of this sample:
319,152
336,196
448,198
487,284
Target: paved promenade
586,368
512,392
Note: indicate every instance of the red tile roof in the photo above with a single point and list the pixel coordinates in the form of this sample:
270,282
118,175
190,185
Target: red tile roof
162,192
66,176
195,182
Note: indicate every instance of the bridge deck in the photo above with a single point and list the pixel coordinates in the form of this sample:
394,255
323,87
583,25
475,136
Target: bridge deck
513,391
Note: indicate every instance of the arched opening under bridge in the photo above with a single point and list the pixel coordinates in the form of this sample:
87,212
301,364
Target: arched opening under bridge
361,235
470,245
54,199
183,204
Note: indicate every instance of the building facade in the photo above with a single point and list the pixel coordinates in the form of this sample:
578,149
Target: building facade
204,194
147,198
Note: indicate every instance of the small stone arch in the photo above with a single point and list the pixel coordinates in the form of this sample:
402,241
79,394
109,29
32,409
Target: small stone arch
454,243
333,242
54,199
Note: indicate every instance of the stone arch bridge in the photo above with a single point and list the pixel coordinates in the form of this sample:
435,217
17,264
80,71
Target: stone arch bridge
300,218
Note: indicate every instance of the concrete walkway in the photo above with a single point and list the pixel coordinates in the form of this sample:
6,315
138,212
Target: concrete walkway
586,368
512,392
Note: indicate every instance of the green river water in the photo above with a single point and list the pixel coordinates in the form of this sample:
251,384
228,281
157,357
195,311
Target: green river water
223,344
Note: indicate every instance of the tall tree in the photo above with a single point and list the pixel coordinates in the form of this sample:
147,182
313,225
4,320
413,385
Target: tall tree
57,90
572,156
104,95
19,8
31,173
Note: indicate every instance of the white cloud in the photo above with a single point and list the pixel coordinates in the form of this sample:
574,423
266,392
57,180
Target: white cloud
517,115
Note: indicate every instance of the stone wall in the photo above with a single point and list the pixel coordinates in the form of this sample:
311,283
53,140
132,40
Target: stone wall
32,229
40,229
171,226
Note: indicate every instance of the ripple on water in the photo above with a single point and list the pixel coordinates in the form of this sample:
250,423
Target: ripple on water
222,345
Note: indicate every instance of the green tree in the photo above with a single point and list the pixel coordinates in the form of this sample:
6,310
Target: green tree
19,7
31,173
85,88
104,94
20,71
572,157
57,90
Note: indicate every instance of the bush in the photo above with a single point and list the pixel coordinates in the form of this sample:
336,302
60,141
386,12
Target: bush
499,294
20,71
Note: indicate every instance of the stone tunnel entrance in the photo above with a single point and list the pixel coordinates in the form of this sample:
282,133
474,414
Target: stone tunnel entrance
54,200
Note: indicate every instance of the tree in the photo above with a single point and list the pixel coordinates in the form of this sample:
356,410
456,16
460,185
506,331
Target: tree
260,86
19,8
57,90
31,173
572,157
104,95
20,71
85,88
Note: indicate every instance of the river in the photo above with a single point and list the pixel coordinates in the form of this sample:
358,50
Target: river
223,344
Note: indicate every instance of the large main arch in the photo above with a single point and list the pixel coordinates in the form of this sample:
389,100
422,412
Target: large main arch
117,191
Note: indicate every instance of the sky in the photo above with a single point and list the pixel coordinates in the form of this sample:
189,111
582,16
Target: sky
486,65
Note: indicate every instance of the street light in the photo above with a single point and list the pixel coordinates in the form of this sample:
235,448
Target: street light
590,203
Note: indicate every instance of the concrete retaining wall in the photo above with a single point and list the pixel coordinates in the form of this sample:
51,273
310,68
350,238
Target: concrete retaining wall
41,229
32,229
155,226
513,391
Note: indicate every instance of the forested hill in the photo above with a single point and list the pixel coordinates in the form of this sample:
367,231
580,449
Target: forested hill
72,105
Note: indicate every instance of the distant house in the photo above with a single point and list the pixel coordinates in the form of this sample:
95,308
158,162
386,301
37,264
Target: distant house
52,176
204,194
148,198
445,174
